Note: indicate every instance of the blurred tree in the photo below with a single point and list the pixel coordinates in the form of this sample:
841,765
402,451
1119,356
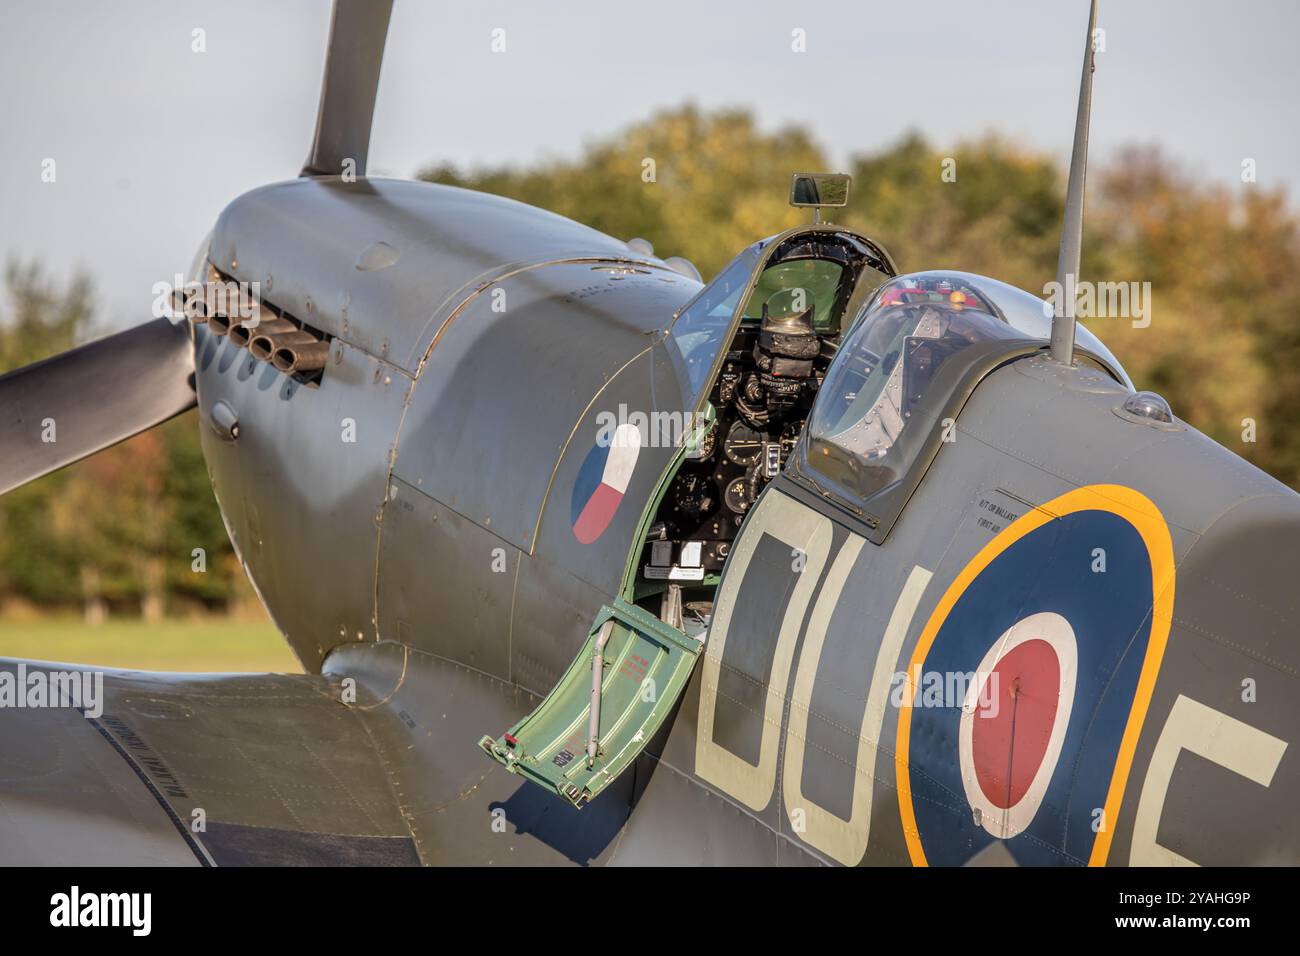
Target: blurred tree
33,564
105,520
41,318
194,521
120,528
980,207
1223,345
717,183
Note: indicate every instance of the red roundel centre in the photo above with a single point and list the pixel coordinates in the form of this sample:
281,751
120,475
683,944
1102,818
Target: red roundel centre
1010,736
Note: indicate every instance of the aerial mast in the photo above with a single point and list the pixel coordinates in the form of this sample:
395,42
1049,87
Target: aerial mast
1067,266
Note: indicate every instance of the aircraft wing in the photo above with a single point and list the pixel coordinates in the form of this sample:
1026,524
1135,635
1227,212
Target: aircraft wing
189,769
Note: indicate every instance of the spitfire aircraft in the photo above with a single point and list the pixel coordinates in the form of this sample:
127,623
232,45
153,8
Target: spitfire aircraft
588,561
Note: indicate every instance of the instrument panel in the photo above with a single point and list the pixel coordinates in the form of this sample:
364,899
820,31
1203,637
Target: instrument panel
717,485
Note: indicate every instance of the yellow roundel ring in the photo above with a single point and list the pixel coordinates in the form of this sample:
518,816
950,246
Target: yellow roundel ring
1140,512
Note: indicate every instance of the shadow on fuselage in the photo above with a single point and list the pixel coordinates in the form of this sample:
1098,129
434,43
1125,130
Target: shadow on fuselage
585,835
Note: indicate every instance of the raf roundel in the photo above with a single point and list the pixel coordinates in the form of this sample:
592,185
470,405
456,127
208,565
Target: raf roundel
1063,661
1014,719
602,481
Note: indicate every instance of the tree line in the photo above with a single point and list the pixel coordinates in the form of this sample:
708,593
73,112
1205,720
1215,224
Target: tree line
121,531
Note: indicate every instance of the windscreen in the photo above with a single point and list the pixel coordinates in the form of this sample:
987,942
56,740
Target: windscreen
700,331
815,282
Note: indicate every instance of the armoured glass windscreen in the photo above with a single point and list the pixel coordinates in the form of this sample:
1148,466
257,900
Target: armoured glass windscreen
877,404
811,283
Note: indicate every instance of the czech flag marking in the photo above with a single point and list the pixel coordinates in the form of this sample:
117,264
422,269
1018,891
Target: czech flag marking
602,481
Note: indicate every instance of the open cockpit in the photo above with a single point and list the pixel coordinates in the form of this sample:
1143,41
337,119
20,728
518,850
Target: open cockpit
753,349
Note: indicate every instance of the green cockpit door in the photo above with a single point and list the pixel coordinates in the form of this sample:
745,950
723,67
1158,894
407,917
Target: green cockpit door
644,667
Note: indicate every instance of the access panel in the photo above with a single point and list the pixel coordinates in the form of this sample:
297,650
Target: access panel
604,711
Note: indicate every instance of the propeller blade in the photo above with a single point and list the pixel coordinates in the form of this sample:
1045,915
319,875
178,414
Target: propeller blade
347,96
64,408
1067,265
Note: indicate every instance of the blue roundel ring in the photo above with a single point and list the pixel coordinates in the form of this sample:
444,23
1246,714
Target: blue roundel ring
1065,615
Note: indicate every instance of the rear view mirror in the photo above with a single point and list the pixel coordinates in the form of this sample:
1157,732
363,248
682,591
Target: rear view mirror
820,189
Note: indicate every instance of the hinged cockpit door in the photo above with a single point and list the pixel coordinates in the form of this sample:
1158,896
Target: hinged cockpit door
595,722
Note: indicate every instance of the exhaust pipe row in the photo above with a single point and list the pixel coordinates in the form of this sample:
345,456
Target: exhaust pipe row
260,338
214,299
284,345
268,335
239,329
273,339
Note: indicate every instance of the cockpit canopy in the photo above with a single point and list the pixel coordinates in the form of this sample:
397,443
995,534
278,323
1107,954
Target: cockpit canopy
885,366
1026,313
895,376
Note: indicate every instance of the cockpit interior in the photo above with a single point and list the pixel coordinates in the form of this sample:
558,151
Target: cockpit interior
810,346
753,349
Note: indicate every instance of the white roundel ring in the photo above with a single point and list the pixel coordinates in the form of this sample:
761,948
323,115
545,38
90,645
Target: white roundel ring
1014,718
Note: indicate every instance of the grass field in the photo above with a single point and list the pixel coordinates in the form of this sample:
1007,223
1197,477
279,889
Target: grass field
207,644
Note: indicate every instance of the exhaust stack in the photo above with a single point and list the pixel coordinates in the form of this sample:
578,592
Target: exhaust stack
262,344
301,357
240,335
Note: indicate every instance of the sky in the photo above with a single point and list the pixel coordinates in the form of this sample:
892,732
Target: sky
152,139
